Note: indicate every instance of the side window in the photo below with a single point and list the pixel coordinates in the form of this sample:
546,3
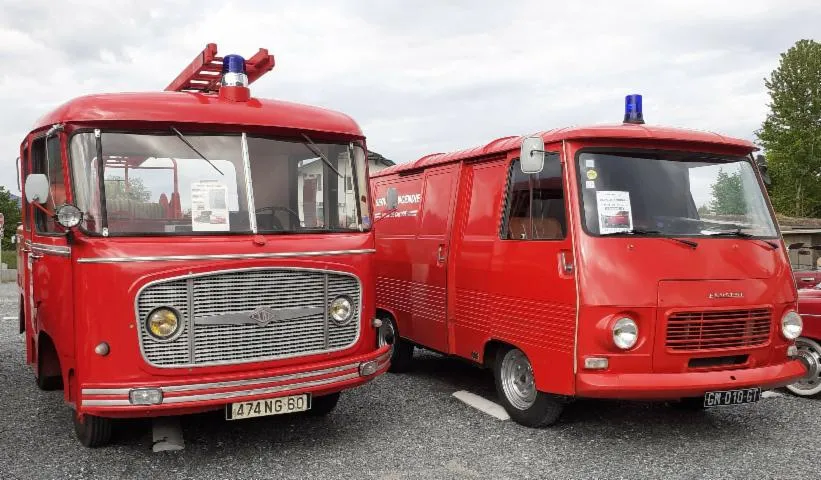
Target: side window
534,208
46,158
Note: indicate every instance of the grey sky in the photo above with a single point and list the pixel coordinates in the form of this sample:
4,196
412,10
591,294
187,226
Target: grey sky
423,76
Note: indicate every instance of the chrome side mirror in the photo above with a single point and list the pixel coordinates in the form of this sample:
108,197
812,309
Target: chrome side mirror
37,187
391,199
531,156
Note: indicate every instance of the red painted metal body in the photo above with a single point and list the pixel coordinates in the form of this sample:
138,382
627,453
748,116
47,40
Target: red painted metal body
453,285
809,306
79,290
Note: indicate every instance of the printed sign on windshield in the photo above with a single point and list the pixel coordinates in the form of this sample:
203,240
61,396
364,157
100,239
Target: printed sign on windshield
614,210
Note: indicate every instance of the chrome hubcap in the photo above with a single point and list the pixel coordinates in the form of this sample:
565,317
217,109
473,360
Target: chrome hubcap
812,357
517,380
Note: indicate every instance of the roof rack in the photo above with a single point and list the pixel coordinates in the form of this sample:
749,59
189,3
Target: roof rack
204,73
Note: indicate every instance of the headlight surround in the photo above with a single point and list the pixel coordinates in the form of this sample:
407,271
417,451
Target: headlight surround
68,215
163,323
341,310
791,325
625,333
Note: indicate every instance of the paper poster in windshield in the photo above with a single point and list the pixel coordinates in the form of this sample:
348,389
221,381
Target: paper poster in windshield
614,210
209,207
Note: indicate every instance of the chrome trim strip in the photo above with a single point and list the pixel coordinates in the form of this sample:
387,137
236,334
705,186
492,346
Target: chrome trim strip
233,383
225,395
46,249
227,256
276,315
217,272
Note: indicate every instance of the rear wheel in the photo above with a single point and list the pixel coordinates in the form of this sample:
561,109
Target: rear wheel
810,385
92,431
321,406
516,387
402,352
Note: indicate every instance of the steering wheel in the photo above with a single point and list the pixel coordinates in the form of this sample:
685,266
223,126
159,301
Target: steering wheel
277,224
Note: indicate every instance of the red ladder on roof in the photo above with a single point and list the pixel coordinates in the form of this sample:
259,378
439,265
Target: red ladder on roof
203,74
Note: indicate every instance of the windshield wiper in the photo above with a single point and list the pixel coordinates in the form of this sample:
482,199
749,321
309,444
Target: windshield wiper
315,150
738,233
654,233
185,141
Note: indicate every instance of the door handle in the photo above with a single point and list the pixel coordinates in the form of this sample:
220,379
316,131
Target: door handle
440,254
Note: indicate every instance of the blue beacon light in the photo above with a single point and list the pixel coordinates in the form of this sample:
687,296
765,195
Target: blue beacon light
632,110
233,71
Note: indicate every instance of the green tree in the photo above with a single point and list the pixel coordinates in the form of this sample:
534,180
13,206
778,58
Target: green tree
791,133
11,214
115,189
728,194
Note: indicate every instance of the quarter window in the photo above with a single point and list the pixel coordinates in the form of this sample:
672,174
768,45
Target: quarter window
46,158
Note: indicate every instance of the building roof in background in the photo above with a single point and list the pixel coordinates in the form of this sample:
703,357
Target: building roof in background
377,158
798,223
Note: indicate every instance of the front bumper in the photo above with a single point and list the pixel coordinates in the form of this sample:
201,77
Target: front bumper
666,386
112,400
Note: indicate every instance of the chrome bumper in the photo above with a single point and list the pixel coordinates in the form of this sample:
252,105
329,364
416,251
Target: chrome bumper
216,393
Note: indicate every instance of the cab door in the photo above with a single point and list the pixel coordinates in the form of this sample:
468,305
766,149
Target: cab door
48,261
429,295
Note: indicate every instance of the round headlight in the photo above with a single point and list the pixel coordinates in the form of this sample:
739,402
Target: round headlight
625,333
791,325
341,310
68,216
163,323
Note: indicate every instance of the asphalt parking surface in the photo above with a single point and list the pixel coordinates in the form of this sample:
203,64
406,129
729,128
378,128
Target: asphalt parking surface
410,426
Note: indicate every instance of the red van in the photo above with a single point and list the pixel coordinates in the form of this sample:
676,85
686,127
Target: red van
625,261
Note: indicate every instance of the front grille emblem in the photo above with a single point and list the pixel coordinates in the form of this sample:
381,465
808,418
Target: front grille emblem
726,295
263,316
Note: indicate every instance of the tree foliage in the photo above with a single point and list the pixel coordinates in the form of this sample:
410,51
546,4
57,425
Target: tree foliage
728,194
11,213
791,133
115,189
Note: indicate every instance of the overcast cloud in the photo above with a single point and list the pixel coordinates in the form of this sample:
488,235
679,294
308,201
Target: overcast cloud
422,76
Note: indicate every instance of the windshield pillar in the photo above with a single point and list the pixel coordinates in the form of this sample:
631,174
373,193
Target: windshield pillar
249,187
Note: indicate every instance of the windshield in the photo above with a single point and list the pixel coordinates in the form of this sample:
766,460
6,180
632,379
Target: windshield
667,193
180,183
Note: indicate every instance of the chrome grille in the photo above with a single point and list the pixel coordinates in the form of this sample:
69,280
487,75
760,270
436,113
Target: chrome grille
712,330
240,293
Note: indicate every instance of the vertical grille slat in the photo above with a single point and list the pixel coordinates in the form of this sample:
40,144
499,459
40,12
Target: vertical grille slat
241,292
711,330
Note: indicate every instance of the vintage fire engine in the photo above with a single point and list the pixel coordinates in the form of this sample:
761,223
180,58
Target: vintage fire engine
197,249
625,261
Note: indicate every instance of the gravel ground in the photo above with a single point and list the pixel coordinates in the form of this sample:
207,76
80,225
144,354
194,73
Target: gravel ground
410,426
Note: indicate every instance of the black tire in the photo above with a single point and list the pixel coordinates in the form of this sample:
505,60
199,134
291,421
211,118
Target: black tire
402,353
543,410
46,383
321,406
92,431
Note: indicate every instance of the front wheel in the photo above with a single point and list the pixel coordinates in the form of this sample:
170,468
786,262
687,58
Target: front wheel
401,352
810,385
516,387
92,431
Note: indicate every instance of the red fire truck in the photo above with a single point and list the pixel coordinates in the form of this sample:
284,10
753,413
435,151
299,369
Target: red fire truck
626,261
197,249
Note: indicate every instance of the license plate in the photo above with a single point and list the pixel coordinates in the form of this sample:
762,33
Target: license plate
269,406
732,397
